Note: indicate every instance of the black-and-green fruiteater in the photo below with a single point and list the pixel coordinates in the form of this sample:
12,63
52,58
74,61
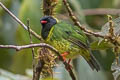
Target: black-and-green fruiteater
66,39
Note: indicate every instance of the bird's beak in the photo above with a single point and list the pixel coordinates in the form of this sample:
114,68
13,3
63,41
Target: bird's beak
43,22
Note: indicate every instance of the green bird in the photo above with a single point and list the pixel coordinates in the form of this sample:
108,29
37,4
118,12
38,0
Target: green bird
67,38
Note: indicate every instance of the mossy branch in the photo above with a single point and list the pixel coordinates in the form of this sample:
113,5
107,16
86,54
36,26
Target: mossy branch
48,7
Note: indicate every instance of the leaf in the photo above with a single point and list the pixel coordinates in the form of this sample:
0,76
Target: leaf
106,3
116,3
105,28
59,7
100,45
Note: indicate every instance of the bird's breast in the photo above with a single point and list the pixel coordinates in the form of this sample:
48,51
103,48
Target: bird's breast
64,46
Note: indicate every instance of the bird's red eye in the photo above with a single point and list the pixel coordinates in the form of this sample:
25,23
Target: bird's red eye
43,22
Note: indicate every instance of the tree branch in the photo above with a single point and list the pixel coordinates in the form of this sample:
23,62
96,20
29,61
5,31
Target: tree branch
31,46
20,22
77,23
28,46
67,66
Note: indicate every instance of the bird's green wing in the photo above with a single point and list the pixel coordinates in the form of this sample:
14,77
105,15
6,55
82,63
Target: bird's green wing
70,33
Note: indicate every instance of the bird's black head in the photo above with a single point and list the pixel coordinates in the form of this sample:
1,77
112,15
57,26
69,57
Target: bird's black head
47,23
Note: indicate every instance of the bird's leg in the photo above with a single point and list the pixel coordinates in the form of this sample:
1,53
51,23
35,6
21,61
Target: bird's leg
64,57
69,61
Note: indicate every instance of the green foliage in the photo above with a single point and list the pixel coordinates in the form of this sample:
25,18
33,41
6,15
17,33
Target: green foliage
107,3
84,72
100,45
6,75
5,56
49,78
59,7
21,61
117,3
75,4
30,9
7,3
89,3
1,23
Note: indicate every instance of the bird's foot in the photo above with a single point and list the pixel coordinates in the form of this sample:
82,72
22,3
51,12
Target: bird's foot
68,62
69,66
64,55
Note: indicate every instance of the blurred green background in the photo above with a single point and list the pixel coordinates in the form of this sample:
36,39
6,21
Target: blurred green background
12,33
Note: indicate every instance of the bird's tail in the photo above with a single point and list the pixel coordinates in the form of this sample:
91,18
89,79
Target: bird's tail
93,63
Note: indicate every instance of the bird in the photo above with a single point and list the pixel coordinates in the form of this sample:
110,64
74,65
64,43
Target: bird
68,39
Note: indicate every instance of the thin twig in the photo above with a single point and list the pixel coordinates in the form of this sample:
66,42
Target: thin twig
28,46
33,64
20,22
101,11
38,70
31,46
77,23
111,25
30,38
67,66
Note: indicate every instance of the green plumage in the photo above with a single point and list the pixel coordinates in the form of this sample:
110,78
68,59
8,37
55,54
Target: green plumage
61,37
68,38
